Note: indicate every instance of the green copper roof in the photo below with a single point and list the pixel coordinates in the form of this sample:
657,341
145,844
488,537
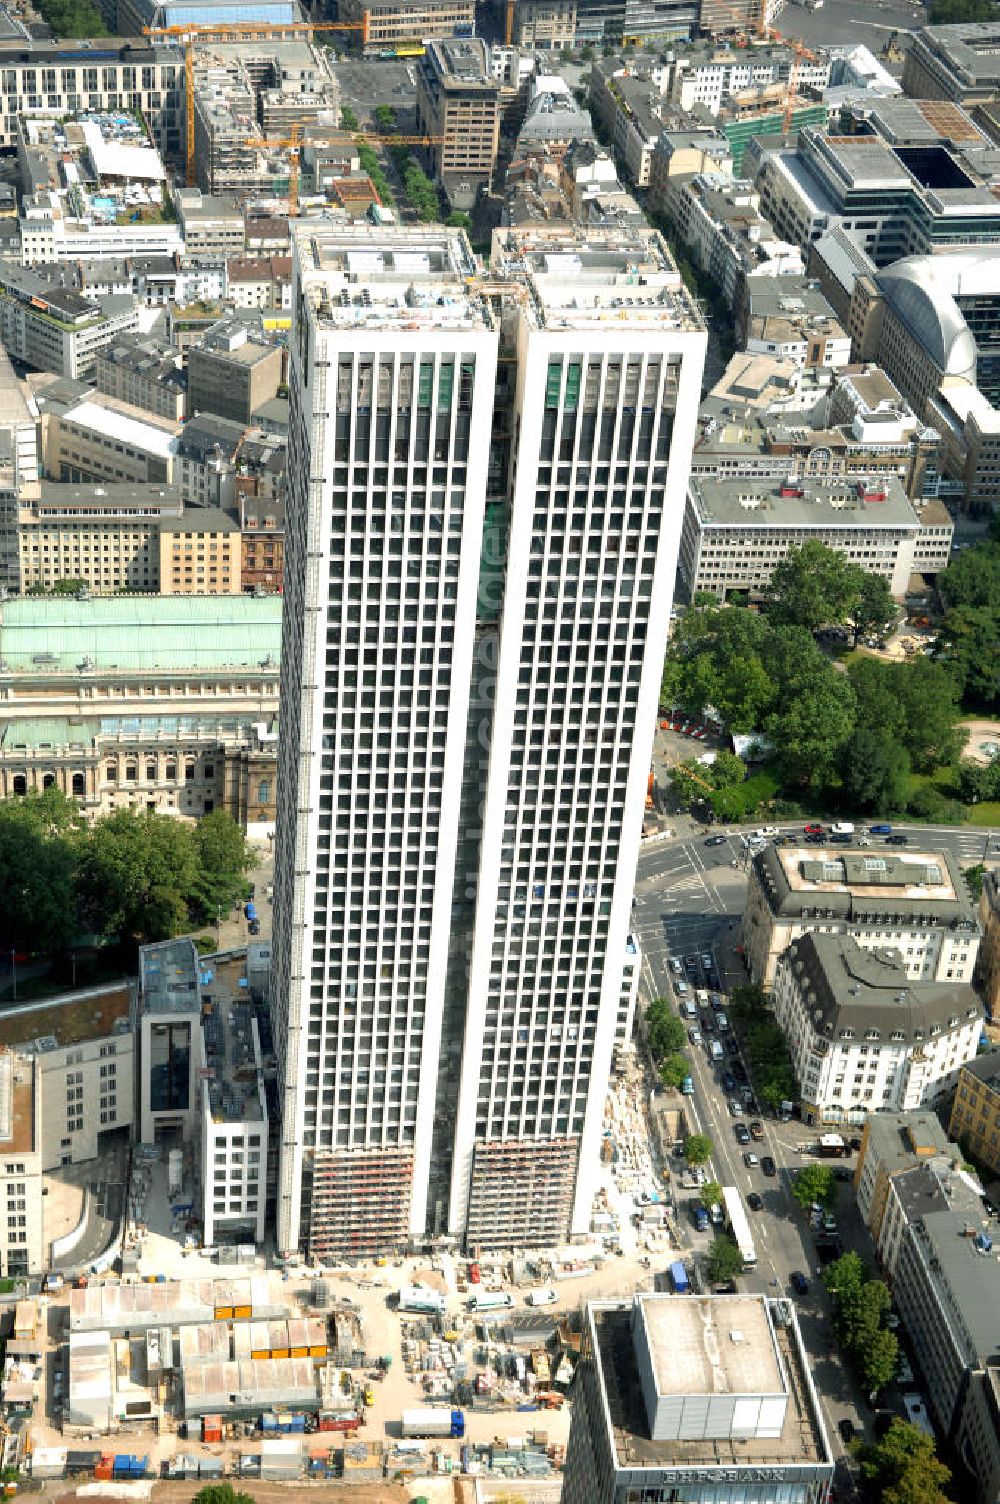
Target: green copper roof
140,632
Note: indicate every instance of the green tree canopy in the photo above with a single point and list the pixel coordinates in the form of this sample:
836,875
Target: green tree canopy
221,1493
667,1035
879,1359
874,772
710,1194
39,835
224,859
815,1183
136,874
724,1260
874,609
813,586
673,1071
698,1148
903,1467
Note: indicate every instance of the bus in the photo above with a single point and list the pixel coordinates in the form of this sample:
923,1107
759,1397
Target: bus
739,1226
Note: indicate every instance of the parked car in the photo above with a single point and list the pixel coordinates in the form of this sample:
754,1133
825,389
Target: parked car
757,1129
765,832
750,1159
741,1133
736,1108
880,830
768,1165
799,1282
846,1428
254,927
733,1046
755,1202
813,829
675,966
898,840
728,1082
716,841
695,1036
815,840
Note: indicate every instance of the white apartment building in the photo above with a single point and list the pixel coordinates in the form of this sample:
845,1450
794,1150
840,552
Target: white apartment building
22,1246
82,1045
711,81
736,531
916,903
448,958
50,234
863,1036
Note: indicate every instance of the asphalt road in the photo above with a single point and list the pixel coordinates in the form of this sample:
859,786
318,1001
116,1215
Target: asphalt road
688,900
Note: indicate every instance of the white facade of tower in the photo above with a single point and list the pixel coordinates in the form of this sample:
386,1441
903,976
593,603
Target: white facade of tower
609,361
393,371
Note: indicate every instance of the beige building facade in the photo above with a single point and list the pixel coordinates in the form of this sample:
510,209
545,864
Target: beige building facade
201,554
106,536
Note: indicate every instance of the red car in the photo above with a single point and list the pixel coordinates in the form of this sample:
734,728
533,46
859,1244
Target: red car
814,830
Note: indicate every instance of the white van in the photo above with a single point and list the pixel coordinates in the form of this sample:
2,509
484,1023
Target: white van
842,828
541,1297
715,1050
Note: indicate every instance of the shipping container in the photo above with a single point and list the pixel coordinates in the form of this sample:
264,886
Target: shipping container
679,1278
433,1422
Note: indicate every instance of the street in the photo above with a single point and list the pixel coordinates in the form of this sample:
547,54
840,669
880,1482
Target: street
689,896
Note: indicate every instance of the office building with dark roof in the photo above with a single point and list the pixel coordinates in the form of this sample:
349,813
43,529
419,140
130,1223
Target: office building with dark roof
863,1036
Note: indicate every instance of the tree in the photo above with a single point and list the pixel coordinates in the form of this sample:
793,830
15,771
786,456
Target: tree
874,771
812,587
673,1071
137,873
724,1261
698,1148
666,1035
904,1467
845,1277
814,1184
348,119
874,610
385,118
224,859
38,856
711,1194
459,220
878,1360
221,1493
812,726
969,640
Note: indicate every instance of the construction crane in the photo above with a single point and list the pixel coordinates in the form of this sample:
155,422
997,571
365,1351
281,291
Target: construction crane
293,144
234,31
800,50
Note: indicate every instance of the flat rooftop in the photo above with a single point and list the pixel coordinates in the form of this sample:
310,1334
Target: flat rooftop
407,278
138,634
858,884
61,1021
169,977
700,1346
807,503
802,1440
580,279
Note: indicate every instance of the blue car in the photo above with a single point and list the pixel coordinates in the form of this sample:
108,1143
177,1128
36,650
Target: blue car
880,830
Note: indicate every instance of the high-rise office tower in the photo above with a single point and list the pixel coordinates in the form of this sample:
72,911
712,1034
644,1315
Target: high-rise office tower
486,489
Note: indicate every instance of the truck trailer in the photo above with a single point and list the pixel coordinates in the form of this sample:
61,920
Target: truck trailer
436,1422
